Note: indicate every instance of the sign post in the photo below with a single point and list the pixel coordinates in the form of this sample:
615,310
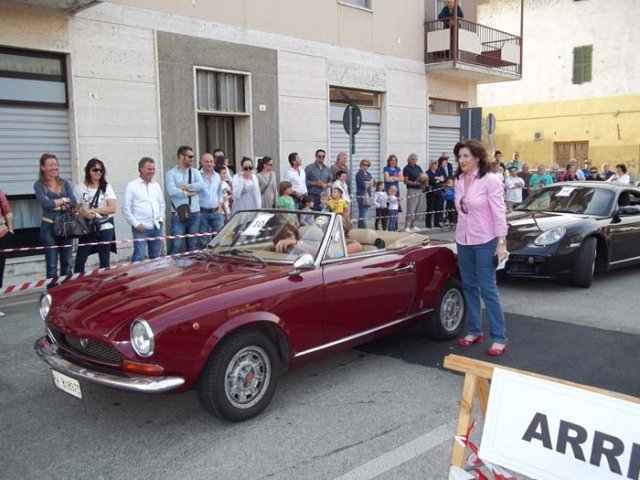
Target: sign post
352,121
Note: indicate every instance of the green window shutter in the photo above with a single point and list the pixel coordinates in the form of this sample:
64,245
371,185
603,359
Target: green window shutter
587,62
577,65
582,63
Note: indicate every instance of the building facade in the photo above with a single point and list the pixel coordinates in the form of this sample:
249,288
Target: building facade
579,96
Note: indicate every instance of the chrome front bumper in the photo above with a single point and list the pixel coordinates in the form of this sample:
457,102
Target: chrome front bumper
48,352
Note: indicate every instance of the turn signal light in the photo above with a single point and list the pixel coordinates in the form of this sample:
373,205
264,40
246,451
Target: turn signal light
143,368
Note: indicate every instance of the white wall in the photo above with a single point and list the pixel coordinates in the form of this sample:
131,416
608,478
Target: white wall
552,28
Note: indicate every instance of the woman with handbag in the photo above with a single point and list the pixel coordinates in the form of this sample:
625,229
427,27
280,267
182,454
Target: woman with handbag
96,204
364,181
55,196
267,180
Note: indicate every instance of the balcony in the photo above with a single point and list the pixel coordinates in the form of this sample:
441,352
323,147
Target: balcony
472,51
70,5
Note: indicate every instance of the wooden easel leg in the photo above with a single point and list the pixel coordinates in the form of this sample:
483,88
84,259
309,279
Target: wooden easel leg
464,418
483,395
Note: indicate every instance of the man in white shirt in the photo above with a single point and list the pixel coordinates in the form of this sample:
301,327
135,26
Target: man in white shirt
297,177
143,209
514,185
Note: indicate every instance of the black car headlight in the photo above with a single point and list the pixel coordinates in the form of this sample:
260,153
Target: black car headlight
549,237
142,337
45,305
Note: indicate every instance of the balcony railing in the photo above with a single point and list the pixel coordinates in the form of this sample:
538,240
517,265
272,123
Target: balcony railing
474,44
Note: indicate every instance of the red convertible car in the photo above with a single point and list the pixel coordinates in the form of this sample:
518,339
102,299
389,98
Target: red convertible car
228,320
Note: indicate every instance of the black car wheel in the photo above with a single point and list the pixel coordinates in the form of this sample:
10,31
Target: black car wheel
585,263
447,321
240,377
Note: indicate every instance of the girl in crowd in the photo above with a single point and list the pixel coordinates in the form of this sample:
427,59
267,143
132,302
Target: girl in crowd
394,204
380,200
96,200
246,190
55,196
267,180
286,201
480,237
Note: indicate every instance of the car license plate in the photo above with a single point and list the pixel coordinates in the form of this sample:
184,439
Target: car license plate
67,384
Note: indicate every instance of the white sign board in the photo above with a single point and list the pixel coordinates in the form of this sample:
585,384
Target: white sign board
548,430
257,225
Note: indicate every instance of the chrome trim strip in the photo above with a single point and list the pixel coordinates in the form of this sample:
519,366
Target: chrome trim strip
362,334
624,261
48,352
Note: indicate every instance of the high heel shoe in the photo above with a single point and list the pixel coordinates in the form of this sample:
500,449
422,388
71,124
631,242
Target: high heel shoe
496,352
464,342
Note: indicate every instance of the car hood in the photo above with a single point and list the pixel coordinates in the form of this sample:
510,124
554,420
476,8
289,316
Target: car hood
98,304
526,226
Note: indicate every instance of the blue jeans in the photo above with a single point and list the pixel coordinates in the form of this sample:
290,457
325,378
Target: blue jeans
178,227
479,280
209,222
393,221
154,245
362,214
51,254
104,251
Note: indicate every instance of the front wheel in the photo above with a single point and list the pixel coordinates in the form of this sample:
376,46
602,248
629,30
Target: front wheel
447,321
585,263
240,377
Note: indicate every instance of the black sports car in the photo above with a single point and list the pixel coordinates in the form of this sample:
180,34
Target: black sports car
573,229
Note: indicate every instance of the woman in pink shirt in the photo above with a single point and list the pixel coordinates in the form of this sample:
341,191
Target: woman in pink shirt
480,238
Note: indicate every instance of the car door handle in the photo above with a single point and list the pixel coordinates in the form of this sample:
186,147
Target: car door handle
405,268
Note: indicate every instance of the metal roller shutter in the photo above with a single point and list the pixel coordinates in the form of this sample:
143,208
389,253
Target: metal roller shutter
25,134
367,146
443,140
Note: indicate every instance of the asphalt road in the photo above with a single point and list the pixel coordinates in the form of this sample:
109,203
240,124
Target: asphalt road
386,410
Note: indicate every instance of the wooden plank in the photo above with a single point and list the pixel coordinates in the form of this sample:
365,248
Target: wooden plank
483,395
464,417
485,370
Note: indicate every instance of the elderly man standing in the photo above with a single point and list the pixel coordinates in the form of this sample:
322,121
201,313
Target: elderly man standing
211,198
318,178
143,209
340,165
297,177
415,199
515,162
183,182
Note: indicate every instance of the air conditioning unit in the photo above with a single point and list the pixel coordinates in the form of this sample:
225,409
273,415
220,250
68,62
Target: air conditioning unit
537,136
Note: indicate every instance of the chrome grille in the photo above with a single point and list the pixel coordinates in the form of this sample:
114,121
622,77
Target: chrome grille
91,349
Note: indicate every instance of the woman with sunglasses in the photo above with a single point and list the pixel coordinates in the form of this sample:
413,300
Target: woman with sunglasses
480,239
268,183
96,201
246,188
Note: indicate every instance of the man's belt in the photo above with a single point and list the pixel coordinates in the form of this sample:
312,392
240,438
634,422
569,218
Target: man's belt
208,210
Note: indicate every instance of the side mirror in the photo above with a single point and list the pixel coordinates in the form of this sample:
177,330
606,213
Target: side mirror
305,262
628,210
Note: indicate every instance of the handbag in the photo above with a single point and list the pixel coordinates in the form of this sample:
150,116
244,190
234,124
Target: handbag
70,224
184,211
366,200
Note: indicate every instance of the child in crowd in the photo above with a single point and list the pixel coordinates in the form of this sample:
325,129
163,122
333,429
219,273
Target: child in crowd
226,188
380,200
307,206
394,204
449,203
324,202
337,203
286,201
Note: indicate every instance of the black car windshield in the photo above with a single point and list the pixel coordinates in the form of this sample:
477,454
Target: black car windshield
271,235
567,198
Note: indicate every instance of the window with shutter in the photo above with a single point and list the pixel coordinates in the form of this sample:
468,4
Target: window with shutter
582,64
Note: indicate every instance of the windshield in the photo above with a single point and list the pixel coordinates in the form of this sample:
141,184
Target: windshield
571,199
271,235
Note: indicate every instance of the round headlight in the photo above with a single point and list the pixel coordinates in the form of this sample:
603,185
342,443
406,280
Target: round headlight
549,237
142,337
45,305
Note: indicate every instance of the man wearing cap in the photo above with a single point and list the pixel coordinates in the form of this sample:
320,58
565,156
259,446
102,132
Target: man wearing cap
586,170
415,199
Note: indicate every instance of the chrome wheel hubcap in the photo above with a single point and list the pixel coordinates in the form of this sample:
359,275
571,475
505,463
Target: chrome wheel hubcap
247,377
452,309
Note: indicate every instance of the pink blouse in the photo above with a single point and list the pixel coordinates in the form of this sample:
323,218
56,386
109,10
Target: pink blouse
486,216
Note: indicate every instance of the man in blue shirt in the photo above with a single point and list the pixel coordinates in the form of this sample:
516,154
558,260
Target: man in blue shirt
211,198
183,182
318,178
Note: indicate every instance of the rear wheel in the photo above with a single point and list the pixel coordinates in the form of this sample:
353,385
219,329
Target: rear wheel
585,263
447,321
240,377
